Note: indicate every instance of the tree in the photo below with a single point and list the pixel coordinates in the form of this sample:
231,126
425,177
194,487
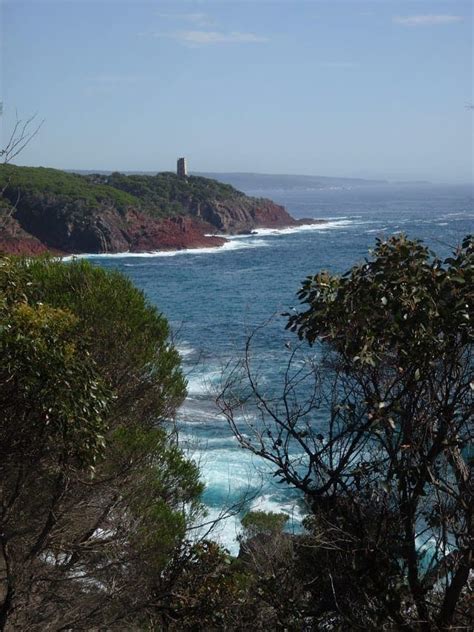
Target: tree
95,495
23,132
375,430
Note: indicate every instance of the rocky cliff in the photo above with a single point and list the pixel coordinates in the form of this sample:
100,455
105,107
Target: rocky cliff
243,215
47,209
109,230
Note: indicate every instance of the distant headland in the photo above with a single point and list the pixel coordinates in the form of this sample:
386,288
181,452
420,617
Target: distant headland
43,209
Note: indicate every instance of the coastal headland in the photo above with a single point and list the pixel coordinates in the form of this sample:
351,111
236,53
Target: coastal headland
49,210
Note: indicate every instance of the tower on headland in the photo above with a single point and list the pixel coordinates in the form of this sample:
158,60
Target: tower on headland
182,169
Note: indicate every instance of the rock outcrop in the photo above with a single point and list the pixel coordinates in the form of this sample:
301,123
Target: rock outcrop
243,215
16,241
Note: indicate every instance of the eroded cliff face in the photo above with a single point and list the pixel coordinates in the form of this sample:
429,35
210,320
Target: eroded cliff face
106,231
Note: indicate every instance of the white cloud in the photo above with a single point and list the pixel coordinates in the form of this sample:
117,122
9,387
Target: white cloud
427,20
205,38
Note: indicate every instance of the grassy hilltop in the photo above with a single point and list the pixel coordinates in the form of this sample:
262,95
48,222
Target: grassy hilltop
161,195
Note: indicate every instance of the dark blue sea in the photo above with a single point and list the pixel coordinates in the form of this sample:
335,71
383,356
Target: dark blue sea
215,298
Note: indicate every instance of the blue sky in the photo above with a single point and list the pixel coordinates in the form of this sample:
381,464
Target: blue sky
364,89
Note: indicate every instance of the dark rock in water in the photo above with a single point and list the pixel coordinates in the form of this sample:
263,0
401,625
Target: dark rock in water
305,221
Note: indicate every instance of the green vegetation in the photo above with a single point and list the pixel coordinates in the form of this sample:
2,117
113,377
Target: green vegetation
48,381
162,195
166,194
93,486
54,183
263,522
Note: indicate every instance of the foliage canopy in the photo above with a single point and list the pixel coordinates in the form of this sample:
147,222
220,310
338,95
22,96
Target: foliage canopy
160,195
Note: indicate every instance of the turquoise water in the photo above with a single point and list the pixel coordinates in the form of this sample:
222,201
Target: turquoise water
215,298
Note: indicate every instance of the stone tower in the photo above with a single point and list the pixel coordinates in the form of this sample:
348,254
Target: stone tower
182,169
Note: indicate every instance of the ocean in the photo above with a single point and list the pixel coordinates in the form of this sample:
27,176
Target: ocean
214,299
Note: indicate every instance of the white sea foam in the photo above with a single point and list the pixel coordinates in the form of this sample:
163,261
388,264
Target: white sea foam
197,386
192,407
338,217
190,417
229,245
376,230
222,442
203,384
185,350
466,213
326,224
330,225
225,531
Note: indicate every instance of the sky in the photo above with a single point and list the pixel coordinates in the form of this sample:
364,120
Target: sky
375,89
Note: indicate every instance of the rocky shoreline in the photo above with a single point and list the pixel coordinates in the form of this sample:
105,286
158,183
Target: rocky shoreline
100,218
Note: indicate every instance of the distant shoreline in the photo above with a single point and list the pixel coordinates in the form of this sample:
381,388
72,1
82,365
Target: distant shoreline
272,180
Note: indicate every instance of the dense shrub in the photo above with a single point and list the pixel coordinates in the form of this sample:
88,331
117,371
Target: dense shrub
95,494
